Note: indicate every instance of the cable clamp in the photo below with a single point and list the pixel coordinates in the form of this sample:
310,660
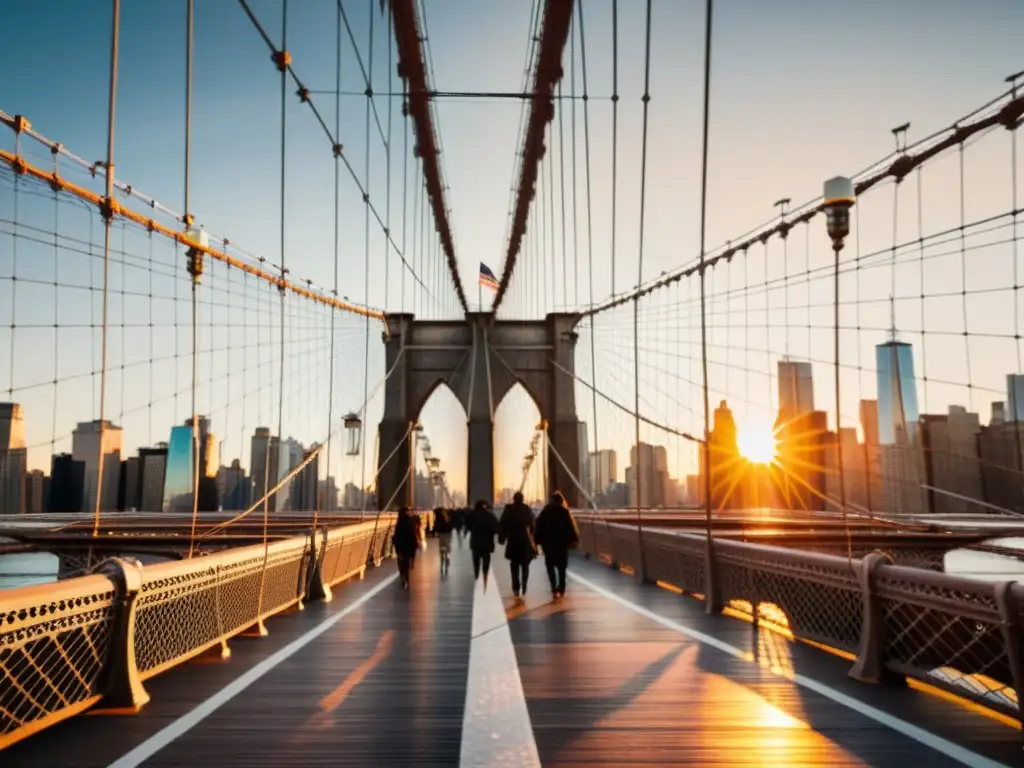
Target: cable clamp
21,123
282,60
109,207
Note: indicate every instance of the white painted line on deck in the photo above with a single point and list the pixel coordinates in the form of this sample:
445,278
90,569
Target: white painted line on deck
496,728
191,719
928,739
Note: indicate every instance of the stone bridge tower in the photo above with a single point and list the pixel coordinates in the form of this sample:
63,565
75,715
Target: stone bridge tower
480,359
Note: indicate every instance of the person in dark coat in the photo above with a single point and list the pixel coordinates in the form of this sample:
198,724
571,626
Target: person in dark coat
483,527
556,534
516,532
443,532
406,540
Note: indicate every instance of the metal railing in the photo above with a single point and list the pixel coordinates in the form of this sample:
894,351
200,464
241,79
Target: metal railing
73,644
897,622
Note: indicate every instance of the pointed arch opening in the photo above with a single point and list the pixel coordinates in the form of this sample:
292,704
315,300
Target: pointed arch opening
440,449
519,452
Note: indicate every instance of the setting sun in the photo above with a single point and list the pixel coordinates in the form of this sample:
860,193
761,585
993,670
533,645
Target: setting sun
757,443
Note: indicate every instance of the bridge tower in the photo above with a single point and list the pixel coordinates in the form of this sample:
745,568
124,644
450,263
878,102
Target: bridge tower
480,359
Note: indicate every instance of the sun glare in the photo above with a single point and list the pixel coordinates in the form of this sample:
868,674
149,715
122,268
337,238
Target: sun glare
757,443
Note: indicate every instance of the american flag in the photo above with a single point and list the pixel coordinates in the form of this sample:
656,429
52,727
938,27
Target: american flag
487,278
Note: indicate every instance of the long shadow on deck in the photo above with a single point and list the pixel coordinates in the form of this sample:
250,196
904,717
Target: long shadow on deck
606,686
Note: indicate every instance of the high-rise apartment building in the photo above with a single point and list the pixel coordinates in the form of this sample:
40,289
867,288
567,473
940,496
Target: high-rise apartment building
603,470
90,441
796,388
264,462
902,457
13,459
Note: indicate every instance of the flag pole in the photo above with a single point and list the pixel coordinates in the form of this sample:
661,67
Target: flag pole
480,293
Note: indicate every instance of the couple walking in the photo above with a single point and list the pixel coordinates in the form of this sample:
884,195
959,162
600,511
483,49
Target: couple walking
554,530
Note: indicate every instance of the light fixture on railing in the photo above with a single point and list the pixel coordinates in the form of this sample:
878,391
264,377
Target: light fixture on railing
354,429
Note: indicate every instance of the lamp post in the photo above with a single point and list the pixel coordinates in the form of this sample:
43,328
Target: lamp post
840,197
354,430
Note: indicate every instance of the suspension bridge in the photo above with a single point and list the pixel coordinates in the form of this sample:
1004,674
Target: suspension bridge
220,391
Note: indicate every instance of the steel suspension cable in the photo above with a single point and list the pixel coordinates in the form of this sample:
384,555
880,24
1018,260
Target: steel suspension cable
615,132
195,271
561,196
646,99
337,250
711,598
366,259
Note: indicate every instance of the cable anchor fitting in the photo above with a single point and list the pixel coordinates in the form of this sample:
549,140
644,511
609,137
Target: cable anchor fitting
282,60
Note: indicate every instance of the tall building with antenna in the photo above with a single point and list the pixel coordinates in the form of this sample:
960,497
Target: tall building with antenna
899,438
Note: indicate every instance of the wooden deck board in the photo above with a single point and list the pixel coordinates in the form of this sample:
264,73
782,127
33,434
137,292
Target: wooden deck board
658,697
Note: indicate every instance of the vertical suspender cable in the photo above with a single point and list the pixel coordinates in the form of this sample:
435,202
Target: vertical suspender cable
195,277
281,470
575,227
646,98
366,258
107,215
337,205
615,128
711,596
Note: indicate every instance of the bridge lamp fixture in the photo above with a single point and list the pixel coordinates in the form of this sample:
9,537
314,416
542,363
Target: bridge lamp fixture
354,432
839,199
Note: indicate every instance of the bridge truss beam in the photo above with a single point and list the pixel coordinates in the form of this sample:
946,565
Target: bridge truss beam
412,69
547,71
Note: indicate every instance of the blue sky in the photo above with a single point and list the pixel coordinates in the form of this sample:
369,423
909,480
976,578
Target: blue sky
801,92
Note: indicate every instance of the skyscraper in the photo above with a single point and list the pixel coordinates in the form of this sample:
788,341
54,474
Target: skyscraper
603,470
178,483
35,491
902,457
264,461
89,441
897,393
303,494
67,484
151,477
648,464
796,388
13,459
1015,397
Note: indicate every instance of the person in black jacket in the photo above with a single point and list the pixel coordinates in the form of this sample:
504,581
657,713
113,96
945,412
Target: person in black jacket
556,534
516,532
443,532
406,540
483,527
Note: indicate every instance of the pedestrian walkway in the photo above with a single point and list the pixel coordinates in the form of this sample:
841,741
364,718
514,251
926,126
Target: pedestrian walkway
616,674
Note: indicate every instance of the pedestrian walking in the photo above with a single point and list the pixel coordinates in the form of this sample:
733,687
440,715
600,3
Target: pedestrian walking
516,532
556,534
406,540
483,527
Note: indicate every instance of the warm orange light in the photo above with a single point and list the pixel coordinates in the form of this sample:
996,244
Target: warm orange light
757,443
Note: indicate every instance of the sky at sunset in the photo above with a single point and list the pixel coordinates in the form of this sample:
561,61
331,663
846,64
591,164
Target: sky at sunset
800,92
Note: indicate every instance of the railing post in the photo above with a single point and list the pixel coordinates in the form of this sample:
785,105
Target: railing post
123,688
319,589
870,664
712,595
1008,601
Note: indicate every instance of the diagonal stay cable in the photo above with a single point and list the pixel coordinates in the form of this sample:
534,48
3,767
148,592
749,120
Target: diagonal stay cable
283,59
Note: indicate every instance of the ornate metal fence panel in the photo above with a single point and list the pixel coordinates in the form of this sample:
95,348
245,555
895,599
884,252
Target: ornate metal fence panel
960,634
55,642
67,646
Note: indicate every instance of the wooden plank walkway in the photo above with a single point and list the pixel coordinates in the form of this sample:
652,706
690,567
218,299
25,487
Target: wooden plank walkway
617,674
609,686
